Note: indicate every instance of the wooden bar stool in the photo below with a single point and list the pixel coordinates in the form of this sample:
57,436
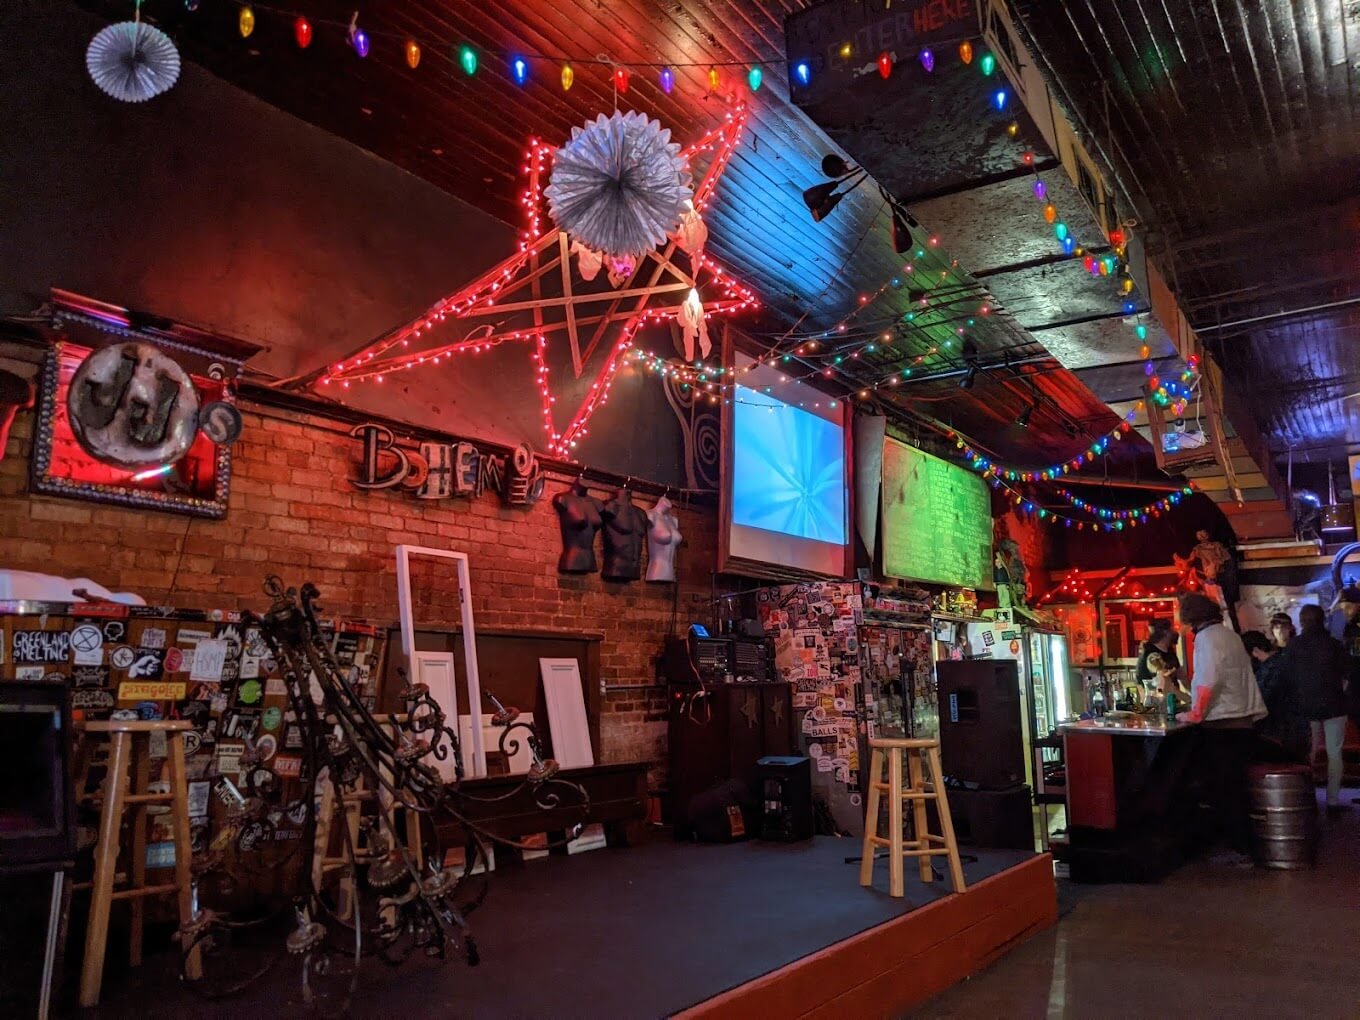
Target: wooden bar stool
889,752
129,759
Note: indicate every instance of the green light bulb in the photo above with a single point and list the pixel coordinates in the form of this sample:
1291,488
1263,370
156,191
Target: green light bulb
987,64
1060,230
467,59
1141,330
754,77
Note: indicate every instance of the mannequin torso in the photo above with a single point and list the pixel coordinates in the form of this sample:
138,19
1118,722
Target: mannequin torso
663,535
624,527
579,516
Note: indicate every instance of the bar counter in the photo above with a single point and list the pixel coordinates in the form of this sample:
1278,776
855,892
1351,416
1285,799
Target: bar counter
1128,807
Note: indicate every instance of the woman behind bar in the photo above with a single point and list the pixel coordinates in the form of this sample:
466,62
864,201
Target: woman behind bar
1317,666
1282,630
1161,642
1227,703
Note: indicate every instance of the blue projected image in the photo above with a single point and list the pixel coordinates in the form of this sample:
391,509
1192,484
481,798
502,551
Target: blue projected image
788,470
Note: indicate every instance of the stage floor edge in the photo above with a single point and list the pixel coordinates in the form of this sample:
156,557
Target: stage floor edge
899,964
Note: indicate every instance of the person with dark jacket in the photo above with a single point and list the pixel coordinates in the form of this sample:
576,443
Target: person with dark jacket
1285,726
1317,666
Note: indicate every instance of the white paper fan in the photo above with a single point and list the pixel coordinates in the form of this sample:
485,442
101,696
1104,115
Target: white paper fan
132,61
619,186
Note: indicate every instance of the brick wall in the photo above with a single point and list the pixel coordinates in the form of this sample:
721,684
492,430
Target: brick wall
294,513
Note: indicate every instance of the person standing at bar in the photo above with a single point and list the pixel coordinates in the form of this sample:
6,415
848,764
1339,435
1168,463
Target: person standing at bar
1317,668
1161,641
1226,702
1285,726
1282,630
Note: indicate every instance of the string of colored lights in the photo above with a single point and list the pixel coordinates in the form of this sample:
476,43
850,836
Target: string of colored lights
1156,508
1053,471
519,63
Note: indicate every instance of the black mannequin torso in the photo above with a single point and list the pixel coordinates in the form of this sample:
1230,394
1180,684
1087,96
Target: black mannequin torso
625,527
579,516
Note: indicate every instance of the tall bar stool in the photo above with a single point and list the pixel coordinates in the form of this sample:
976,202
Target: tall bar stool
130,759
885,776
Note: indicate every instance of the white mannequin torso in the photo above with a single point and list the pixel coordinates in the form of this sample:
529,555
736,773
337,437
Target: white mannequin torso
663,536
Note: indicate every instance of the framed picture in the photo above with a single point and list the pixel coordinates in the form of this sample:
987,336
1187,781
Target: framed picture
142,417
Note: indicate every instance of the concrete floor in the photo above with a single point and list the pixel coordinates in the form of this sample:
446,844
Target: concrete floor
1210,941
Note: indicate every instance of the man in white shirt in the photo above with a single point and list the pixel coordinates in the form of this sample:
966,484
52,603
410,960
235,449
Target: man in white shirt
1227,704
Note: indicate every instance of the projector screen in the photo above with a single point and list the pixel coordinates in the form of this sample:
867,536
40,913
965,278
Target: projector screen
937,520
788,496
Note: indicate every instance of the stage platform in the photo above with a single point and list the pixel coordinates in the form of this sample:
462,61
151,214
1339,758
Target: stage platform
667,929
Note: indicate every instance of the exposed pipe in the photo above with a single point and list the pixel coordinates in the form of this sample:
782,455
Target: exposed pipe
954,372
1286,314
1122,483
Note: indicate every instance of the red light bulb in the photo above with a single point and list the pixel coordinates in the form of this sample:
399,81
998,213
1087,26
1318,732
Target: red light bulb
302,32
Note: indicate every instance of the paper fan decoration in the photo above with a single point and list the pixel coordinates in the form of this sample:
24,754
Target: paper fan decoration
132,61
620,185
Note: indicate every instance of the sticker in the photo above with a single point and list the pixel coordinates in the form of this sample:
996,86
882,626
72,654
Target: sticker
250,667
152,637
249,692
209,657
819,730
160,855
988,638
174,660
129,691
855,799
839,704
218,703
275,685
271,719
292,738
842,774
221,422
198,798
122,657
191,637
147,665
193,741
288,766
115,631
148,711
229,760
87,645
40,646
252,836
266,747
824,765
90,676
297,811
255,644
226,790
238,725
91,699
29,673
198,836
814,750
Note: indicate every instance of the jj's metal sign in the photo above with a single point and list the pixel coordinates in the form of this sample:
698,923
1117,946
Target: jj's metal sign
841,41
445,470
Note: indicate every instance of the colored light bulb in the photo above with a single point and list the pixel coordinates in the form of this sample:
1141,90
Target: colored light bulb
621,77
885,65
1013,129
966,51
467,59
1140,331
667,80
802,73
1127,285
519,70
1060,230
987,64
1050,212
412,54
928,61
755,77
1040,189
846,51
1069,242
999,99
245,21
714,79
568,76
302,33
359,40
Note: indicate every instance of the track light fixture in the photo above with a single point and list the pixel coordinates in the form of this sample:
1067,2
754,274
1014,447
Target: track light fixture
1025,415
822,199
969,377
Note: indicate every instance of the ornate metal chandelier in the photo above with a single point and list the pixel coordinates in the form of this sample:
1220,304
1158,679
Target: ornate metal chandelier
383,895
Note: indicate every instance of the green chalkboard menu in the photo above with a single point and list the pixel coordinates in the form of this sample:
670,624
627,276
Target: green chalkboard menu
937,520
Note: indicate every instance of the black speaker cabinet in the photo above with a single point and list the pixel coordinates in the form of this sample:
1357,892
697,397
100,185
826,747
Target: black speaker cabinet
719,733
784,788
981,743
1001,819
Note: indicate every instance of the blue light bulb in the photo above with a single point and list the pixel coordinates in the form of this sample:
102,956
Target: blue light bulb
999,98
802,73
519,70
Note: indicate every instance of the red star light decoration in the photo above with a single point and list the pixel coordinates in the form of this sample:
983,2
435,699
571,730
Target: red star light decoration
538,280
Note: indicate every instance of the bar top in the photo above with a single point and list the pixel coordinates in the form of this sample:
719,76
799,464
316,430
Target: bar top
1134,726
